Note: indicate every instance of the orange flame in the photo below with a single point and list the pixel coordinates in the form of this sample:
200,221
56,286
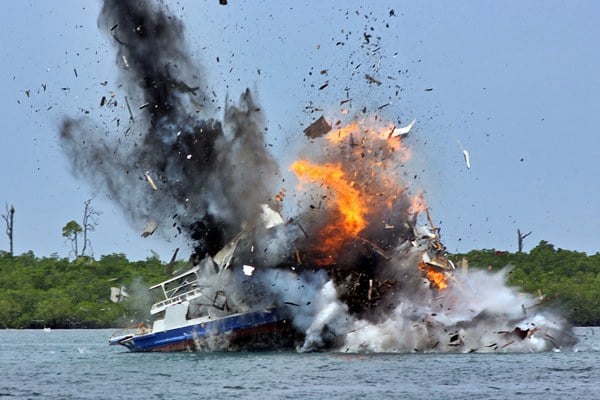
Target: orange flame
339,135
366,180
345,197
436,278
362,131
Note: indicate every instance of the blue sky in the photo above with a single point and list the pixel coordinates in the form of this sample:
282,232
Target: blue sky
514,82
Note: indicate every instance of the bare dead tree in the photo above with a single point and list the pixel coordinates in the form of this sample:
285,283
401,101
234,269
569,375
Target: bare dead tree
89,223
9,218
520,238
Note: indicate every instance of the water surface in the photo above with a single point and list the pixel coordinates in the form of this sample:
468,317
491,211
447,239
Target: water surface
78,364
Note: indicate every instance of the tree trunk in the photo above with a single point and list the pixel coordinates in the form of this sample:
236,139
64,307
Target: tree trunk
85,226
9,218
520,240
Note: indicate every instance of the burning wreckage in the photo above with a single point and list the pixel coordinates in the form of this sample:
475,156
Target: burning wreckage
359,268
356,272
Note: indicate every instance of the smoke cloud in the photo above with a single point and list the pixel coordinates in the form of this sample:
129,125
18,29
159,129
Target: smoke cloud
356,269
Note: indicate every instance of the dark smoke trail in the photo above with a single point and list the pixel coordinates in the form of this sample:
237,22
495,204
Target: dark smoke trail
201,167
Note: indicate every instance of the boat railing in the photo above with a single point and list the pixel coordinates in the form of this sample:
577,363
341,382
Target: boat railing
177,299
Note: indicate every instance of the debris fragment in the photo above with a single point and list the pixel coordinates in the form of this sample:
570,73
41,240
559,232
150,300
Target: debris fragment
129,109
75,70
465,155
428,89
144,106
323,86
125,62
171,264
370,79
223,258
402,131
467,159
102,101
223,2
377,249
280,195
117,295
248,270
318,128
149,228
270,217
151,181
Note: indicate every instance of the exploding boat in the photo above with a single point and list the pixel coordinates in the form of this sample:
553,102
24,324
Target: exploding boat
188,319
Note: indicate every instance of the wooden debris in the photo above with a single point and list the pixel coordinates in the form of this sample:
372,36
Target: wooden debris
318,128
377,249
144,106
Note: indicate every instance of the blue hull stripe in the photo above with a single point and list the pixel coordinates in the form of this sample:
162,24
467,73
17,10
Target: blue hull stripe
180,338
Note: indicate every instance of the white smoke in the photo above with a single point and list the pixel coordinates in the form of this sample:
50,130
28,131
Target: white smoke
478,312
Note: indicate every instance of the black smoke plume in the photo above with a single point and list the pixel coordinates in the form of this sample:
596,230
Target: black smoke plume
200,167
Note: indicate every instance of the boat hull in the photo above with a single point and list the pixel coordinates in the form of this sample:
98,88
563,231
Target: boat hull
265,329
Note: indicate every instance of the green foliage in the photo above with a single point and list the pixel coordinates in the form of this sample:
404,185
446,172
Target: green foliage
58,293
568,278
71,228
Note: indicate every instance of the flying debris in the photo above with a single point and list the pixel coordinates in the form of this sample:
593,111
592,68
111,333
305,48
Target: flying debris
318,128
466,156
118,294
248,270
151,181
402,131
149,228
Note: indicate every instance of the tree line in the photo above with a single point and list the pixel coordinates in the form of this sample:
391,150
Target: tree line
63,293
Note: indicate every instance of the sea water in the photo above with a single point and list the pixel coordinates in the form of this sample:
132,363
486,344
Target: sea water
78,364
